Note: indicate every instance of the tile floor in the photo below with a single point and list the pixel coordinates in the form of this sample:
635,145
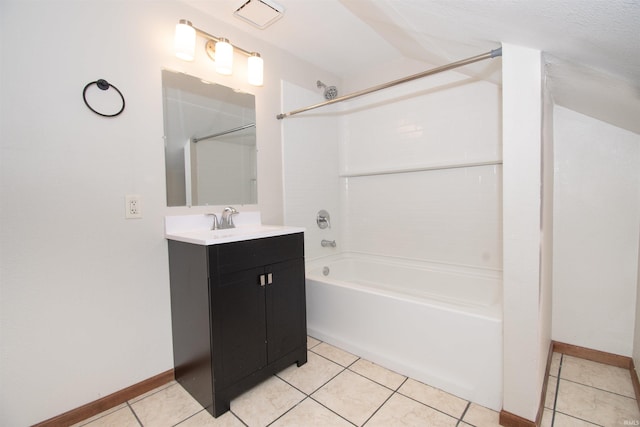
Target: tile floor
336,388
584,393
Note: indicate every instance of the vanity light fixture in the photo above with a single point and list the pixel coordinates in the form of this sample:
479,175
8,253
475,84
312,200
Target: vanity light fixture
219,49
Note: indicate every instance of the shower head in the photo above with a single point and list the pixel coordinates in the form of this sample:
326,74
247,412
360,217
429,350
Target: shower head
330,92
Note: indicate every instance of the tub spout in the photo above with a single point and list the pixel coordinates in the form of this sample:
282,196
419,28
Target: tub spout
328,243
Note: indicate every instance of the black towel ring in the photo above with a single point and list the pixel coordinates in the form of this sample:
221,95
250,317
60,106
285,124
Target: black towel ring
103,85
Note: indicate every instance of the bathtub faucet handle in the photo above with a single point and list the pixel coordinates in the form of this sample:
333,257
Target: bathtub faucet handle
323,219
327,243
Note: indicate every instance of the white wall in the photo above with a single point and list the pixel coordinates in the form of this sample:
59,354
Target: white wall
597,216
526,311
84,293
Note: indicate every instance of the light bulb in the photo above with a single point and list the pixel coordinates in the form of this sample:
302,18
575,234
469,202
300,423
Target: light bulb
224,56
185,40
255,69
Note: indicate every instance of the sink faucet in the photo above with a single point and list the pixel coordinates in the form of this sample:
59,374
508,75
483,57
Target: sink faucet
226,219
215,225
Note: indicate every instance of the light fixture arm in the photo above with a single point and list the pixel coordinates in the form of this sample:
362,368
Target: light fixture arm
206,35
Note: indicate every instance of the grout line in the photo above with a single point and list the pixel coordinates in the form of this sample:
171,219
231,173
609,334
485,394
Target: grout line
555,398
464,413
374,381
329,409
238,418
581,419
134,414
306,396
378,408
429,406
598,388
339,364
309,396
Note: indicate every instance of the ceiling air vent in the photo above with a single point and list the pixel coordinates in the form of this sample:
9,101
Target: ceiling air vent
260,13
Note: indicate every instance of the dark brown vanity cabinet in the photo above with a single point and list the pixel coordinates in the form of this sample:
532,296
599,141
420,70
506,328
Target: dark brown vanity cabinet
238,314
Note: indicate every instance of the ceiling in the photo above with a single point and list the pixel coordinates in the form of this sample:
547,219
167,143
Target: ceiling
590,45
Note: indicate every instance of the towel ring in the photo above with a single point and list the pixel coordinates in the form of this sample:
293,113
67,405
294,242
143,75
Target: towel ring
102,85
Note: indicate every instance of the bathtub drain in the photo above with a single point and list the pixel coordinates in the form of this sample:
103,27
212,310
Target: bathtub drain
325,271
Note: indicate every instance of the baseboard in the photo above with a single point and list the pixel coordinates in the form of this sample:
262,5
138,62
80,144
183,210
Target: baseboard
593,355
508,419
97,406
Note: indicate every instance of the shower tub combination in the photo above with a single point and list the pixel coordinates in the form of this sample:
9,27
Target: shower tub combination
439,324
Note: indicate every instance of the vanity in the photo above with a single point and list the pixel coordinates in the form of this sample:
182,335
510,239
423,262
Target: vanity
237,304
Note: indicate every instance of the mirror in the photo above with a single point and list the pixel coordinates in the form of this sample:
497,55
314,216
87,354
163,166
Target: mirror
210,142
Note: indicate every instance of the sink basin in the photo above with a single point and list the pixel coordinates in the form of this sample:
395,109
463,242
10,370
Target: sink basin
249,231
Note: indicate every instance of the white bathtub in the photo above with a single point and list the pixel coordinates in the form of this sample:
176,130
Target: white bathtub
438,324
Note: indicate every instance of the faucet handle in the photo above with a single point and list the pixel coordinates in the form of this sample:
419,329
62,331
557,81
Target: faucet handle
226,220
215,225
230,210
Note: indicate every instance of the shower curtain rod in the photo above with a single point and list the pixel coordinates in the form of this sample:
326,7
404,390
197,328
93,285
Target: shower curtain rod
451,66
250,125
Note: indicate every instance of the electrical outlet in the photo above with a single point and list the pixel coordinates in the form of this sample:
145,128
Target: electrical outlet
133,207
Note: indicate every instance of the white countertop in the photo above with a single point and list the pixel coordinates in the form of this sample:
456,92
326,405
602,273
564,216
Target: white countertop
196,229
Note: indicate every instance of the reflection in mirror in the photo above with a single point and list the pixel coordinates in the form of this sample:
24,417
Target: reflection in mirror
210,142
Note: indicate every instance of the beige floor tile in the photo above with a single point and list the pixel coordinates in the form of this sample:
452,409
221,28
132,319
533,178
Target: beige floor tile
377,373
594,374
100,415
336,354
442,401
166,407
122,417
265,402
352,396
480,416
554,368
155,390
562,420
312,342
310,413
312,375
547,418
594,405
550,399
402,411
205,419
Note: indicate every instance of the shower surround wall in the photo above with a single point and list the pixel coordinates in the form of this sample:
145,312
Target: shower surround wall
365,166
396,200
393,207
411,173
310,156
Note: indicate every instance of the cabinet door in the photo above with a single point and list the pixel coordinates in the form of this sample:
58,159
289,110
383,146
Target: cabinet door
285,301
239,335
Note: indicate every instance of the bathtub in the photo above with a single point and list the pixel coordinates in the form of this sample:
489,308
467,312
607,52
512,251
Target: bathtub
438,324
